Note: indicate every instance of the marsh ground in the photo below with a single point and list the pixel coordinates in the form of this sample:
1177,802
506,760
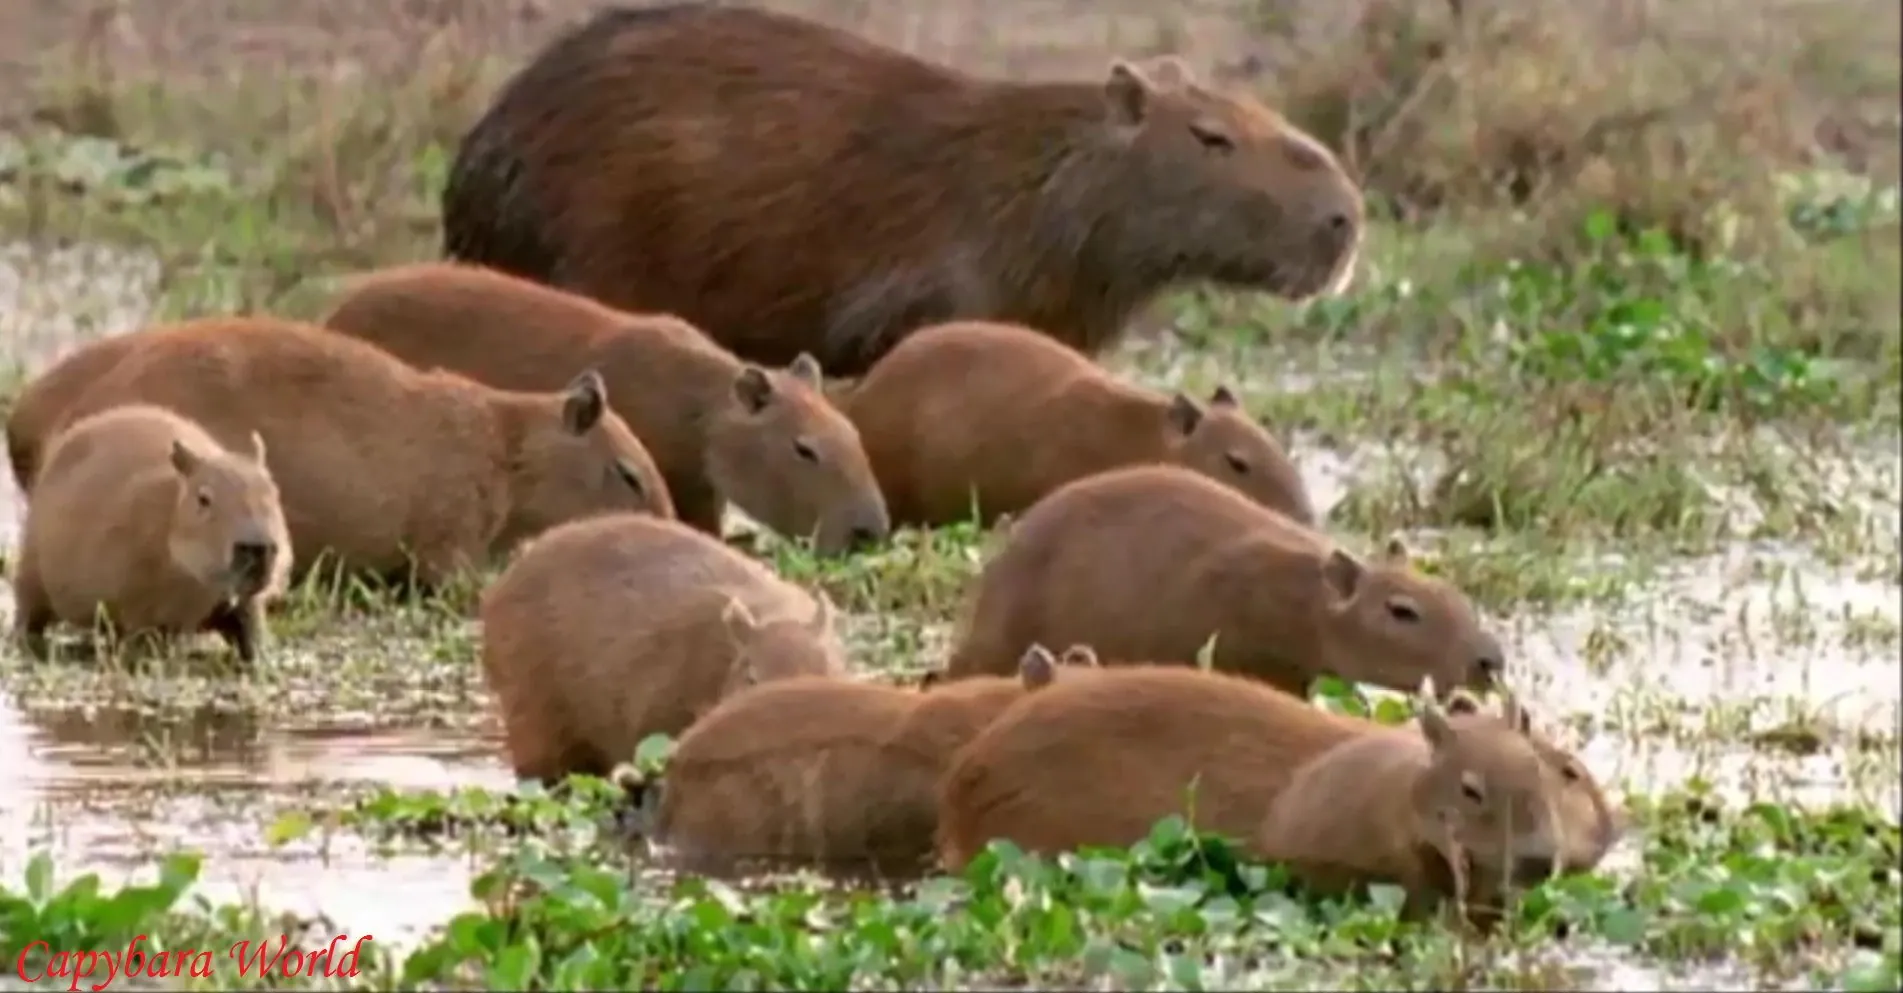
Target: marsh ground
1624,361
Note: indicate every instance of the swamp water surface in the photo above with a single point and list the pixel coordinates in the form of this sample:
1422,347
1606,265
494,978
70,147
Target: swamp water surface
1762,671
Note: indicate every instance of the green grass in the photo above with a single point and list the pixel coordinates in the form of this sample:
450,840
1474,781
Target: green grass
1662,457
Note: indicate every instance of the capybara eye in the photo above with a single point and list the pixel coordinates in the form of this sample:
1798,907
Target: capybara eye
1213,139
1471,789
804,450
1237,464
630,478
204,499
1403,611
1569,772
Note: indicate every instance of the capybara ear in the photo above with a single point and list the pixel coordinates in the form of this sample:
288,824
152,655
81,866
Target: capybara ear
1036,667
753,388
585,400
257,448
1343,573
1083,655
184,459
1224,398
824,614
806,369
1396,551
1434,726
1169,72
1127,94
1185,413
1462,702
736,615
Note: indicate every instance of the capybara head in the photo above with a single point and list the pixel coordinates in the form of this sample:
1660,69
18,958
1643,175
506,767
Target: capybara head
781,647
1490,801
228,525
1590,823
578,458
1221,441
1389,624
789,458
1081,655
1227,186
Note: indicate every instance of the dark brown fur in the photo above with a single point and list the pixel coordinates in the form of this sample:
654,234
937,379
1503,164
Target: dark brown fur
792,187
384,467
606,630
837,772
1152,562
1001,416
1449,813
719,429
144,518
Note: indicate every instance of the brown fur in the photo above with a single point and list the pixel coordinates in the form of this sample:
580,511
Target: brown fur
829,771
382,466
719,429
1447,813
1099,760
606,630
791,187
42,404
1152,562
143,518
1001,415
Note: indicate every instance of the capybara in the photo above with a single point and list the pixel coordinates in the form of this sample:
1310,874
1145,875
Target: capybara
42,403
145,520
1099,760
719,429
789,187
1445,812
383,468
606,630
841,773
1154,563
992,417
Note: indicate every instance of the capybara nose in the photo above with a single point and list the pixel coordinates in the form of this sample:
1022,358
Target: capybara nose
864,536
1489,667
1530,869
252,559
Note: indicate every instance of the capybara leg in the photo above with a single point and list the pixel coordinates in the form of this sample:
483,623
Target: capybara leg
32,611
242,627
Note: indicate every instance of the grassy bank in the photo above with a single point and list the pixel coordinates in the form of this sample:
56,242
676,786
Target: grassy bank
1631,308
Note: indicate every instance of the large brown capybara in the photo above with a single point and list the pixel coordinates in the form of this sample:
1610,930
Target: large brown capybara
1156,563
838,773
606,630
1452,814
719,429
790,187
977,416
145,520
1098,761
384,469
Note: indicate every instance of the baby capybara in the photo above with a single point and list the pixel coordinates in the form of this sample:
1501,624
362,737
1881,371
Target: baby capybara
383,469
1098,761
788,187
604,631
1449,813
840,773
992,417
718,428
1160,563
143,519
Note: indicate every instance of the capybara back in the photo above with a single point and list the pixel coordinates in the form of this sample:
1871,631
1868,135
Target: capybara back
792,187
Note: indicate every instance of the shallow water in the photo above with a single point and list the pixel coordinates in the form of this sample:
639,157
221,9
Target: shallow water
1762,670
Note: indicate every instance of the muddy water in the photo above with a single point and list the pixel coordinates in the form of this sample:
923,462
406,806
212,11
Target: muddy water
1762,671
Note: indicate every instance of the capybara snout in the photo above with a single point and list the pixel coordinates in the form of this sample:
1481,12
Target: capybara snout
1392,623
229,529
251,561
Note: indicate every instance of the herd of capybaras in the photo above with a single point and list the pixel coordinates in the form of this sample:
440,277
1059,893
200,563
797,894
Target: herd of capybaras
663,229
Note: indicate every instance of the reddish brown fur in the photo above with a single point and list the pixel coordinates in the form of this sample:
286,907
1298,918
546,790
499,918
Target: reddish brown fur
830,771
1152,562
142,517
1447,813
1002,415
606,630
719,429
382,466
42,404
791,187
